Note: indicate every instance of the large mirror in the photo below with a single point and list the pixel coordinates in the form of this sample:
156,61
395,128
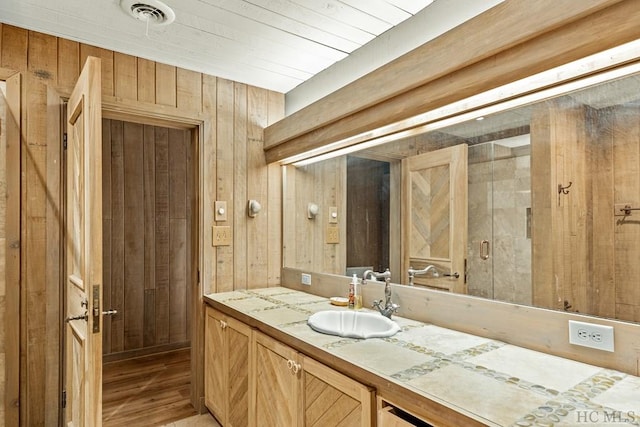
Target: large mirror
537,205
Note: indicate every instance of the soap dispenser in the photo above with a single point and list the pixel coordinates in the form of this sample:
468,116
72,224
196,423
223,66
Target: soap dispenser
357,293
355,298
352,291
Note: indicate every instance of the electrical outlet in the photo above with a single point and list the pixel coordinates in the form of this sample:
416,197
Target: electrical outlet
333,235
305,279
221,235
591,335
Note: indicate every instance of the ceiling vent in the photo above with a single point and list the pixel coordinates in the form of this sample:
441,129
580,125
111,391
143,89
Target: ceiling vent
153,12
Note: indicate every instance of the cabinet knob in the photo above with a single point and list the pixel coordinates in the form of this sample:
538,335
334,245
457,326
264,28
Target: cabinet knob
293,366
223,324
296,367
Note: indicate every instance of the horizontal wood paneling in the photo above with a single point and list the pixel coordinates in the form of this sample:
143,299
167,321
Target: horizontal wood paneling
131,86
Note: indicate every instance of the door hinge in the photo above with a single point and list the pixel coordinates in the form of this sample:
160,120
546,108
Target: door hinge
198,277
64,140
64,399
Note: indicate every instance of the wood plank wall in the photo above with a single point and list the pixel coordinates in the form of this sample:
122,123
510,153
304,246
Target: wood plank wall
232,168
3,242
148,199
582,253
367,212
305,244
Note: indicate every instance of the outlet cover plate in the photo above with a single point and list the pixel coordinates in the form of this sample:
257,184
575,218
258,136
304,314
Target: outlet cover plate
591,335
333,235
305,279
221,235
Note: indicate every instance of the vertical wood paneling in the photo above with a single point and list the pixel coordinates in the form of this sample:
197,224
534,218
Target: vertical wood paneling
177,234
149,83
149,236
257,186
209,186
149,182
165,85
133,244
626,166
106,233
117,235
43,56
240,183
225,179
162,254
275,211
54,249
35,232
14,48
125,76
68,63
188,90
603,230
156,222
146,80
11,337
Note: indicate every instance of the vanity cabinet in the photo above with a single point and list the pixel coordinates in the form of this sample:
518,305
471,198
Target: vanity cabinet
294,390
227,356
253,379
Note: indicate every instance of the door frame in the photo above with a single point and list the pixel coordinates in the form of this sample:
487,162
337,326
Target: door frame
159,116
171,117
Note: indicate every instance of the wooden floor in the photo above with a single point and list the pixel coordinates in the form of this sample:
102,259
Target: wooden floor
147,391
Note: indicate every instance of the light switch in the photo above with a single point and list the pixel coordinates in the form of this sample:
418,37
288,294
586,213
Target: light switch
333,215
220,209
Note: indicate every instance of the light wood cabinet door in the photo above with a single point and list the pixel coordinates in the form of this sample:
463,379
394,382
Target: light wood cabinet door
275,385
227,356
237,351
214,353
332,399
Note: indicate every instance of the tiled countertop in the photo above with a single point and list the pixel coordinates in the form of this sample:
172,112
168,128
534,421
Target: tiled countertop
497,383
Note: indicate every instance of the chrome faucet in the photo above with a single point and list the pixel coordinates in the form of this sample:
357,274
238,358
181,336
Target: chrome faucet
389,307
413,272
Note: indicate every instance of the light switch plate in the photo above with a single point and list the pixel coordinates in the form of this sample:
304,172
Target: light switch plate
220,210
221,235
333,215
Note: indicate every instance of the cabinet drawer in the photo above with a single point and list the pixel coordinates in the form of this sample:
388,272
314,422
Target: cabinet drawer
391,416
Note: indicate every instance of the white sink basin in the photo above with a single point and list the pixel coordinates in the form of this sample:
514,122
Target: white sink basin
353,324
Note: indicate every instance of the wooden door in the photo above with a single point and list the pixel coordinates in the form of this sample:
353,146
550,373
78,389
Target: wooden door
434,211
275,385
83,248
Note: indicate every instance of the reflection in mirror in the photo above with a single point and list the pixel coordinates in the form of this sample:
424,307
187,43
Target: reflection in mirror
548,186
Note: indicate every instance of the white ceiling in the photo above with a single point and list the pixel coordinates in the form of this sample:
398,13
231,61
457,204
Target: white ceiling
274,44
